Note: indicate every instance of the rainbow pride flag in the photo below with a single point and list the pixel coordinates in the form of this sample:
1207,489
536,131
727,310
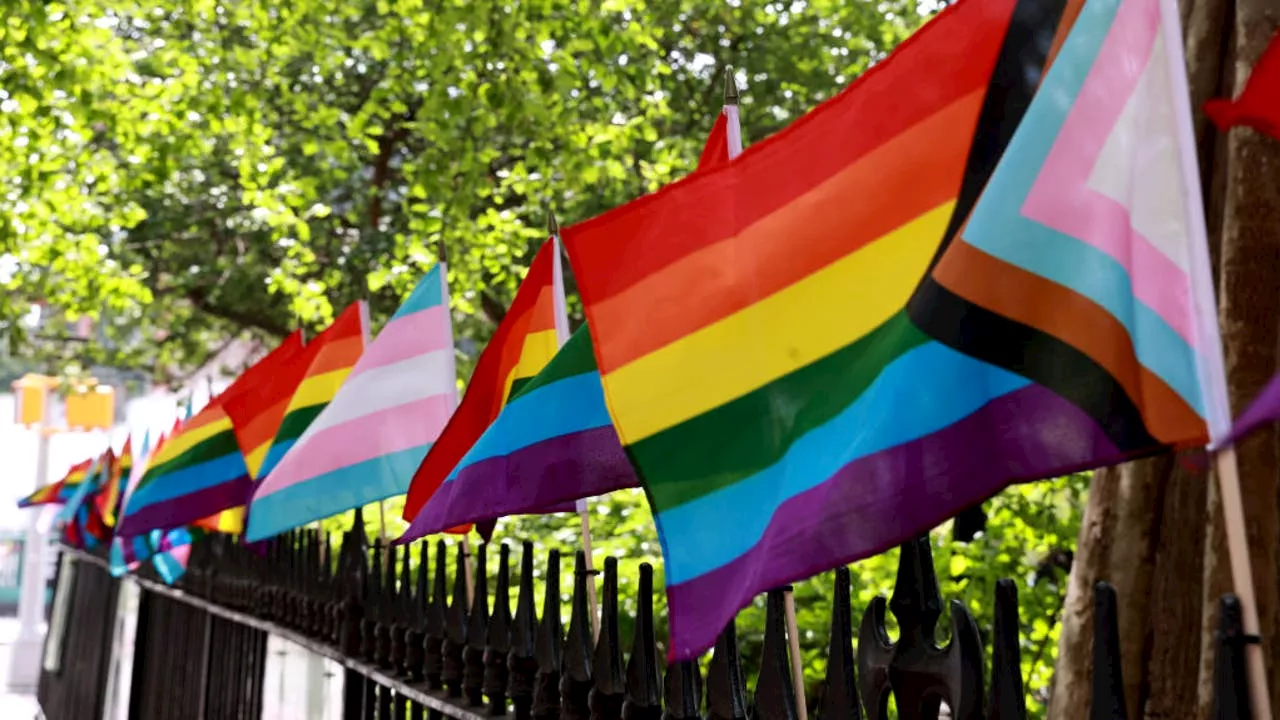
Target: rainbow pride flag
108,498
553,443
200,471
328,360
368,441
791,399
527,338
61,490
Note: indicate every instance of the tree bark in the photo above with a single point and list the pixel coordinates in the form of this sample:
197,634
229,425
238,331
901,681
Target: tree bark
1154,528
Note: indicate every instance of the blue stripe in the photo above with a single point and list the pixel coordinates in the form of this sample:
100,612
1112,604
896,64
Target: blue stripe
275,454
188,480
429,293
566,406
921,392
997,227
334,492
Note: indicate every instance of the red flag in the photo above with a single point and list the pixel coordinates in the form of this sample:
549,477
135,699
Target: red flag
716,152
1258,106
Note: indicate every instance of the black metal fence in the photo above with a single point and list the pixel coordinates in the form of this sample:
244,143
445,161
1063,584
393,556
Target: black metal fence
413,647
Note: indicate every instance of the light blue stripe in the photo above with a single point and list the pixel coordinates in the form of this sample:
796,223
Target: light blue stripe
189,480
69,510
997,227
923,391
275,454
428,293
334,492
565,406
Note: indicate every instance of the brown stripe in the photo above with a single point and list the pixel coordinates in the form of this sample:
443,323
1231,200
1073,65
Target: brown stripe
1069,15
1057,311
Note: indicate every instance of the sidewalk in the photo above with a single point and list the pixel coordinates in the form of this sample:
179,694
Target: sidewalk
13,707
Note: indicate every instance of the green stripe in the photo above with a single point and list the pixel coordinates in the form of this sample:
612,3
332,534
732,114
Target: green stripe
679,464
297,422
575,358
211,448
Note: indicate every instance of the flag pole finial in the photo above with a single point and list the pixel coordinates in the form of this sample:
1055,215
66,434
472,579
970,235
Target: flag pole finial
730,87
553,227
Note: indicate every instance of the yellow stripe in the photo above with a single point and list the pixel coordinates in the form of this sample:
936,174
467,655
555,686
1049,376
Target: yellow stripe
318,389
256,457
537,351
777,335
185,441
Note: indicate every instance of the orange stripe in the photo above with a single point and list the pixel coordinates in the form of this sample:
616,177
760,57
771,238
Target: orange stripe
262,428
211,413
511,352
646,235
338,354
1076,320
543,316
914,172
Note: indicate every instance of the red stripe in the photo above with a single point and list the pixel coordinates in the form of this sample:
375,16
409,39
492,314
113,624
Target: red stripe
483,398
613,251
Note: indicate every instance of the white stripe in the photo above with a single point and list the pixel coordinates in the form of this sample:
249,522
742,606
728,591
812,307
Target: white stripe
733,136
1213,377
386,387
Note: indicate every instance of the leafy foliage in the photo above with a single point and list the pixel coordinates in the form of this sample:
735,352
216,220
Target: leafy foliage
193,171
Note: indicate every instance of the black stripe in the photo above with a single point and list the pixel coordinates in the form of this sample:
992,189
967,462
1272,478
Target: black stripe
1033,354
1014,81
985,335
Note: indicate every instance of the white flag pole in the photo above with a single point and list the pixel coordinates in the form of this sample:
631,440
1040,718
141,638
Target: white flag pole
1213,373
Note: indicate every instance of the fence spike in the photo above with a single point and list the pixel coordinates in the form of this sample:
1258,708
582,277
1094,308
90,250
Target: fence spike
923,675
384,627
682,691
398,605
609,687
550,647
352,582
840,700
455,627
522,663
643,695
498,642
1230,683
726,688
434,627
416,619
318,592
477,632
1007,701
775,697
576,672
372,605
1108,682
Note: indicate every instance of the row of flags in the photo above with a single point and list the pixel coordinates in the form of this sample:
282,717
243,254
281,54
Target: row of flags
950,277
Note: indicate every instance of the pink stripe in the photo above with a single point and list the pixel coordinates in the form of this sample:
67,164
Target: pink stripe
405,337
1061,197
364,438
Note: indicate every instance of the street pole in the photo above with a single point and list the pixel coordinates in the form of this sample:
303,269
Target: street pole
24,670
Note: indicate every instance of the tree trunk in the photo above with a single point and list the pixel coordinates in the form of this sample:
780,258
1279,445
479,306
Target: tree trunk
1154,528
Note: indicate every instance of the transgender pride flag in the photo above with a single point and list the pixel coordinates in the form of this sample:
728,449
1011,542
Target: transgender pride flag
367,443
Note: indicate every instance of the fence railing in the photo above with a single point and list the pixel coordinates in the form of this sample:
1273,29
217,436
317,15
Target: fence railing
413,647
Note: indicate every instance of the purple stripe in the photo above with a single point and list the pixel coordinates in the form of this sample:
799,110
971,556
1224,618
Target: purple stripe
185,509
882,500
1264,409
542,478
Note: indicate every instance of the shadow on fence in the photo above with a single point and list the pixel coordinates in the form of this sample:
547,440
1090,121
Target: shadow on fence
417,648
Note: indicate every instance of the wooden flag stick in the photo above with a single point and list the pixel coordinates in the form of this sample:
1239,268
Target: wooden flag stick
584,512
797,663
1242,578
